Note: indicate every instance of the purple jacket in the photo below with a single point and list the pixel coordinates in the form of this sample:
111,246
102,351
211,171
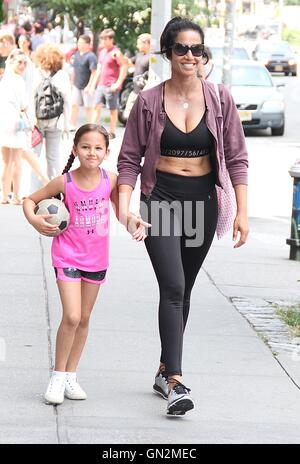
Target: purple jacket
146,123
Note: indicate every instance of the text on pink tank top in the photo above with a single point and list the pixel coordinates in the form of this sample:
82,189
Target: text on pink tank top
85,243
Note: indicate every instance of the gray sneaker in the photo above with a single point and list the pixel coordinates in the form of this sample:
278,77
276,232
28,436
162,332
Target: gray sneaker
161,385
179,400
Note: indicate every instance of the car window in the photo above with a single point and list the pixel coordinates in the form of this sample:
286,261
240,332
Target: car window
251,76
254,76
239,53
269,47
217,52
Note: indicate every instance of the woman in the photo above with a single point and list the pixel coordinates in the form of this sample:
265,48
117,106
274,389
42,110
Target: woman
24,44
50,61
183,132
15,127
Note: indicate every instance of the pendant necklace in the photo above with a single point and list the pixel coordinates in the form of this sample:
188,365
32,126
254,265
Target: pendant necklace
185,105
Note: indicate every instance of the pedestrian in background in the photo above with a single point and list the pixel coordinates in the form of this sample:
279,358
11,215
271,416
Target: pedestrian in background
13,137
15,128
38,37
189,135
79,29
50,61
27,26
7,44
111,72
141,68
84,63
51,33
80,255
24,44
18,31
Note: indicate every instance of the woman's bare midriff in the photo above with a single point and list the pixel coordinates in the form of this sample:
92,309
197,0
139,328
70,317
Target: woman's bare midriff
185,167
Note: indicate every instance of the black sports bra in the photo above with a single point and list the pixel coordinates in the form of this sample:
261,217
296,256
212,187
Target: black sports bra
199,142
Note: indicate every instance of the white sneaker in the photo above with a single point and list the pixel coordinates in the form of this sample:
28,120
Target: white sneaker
179,400
55,391
161,385
73,390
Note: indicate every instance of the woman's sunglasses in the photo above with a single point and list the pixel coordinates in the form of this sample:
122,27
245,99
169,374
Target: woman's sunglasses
180,49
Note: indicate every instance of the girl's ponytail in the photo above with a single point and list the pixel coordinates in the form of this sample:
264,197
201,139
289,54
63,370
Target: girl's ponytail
69,163
67,169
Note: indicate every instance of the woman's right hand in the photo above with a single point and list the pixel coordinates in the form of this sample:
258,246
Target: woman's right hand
40,223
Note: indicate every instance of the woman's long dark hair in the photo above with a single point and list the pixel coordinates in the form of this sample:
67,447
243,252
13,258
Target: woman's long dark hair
171,30
79,133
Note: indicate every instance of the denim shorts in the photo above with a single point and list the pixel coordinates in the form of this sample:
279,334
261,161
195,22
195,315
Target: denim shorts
106,97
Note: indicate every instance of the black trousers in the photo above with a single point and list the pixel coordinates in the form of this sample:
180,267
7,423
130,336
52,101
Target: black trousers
183,212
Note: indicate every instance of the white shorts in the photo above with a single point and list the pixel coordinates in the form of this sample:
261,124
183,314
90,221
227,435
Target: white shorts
82,98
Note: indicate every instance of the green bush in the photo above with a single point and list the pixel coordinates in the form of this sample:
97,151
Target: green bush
291,35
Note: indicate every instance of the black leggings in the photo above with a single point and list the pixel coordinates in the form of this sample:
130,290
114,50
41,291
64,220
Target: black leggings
177,244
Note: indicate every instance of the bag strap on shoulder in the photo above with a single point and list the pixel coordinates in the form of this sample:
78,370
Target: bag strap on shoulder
216,87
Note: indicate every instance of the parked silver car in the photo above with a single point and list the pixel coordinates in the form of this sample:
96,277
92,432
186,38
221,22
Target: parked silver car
259,101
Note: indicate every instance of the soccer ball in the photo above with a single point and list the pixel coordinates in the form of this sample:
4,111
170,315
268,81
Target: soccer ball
61,216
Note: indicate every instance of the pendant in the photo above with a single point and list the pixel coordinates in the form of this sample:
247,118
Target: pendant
185,105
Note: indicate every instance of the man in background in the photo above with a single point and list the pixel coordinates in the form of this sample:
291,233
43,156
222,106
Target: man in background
84,63
141,68
39,37
7,44
112,70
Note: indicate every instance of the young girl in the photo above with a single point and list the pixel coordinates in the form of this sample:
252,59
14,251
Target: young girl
80,254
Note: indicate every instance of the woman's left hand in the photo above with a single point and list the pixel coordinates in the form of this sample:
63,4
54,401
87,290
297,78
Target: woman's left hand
240,225
137,227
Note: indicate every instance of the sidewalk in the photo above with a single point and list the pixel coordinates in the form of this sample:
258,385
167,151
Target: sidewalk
242,393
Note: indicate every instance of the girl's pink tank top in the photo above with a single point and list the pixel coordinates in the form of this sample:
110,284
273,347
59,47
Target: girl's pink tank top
85,243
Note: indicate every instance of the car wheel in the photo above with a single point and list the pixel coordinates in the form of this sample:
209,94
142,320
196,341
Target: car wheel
121,117
286,73
294,73
278,130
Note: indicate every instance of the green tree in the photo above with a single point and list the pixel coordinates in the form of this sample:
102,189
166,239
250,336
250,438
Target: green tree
1,11
199,11
125,17
292,2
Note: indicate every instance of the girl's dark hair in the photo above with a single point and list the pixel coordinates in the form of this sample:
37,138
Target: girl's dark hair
171,30
78,134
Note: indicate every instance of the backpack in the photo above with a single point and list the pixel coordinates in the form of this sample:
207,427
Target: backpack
49,101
